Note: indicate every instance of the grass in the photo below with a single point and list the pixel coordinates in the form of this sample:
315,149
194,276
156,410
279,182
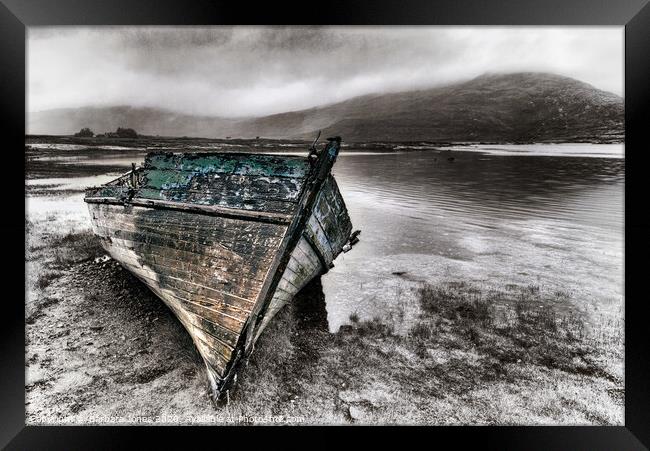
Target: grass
51,253
75,247
46,278
520,355
58,253
525,326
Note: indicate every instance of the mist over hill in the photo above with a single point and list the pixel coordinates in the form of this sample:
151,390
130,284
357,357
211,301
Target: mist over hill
519,107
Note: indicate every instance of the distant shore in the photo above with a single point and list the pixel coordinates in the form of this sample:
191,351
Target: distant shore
163,141
47,155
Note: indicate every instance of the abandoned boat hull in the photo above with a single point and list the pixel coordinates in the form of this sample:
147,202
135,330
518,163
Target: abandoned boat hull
224,240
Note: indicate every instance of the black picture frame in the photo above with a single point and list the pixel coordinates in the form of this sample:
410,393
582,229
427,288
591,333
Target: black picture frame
16,15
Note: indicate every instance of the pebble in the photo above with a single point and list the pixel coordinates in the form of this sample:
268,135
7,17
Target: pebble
355,412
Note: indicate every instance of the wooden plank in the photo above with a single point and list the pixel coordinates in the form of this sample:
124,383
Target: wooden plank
332,216
191,288
224,328
298,272
152,255
271,217
305,251
204,258
318,238
192,277
289,291
209,226
192,321
228,202
206,255
301,272
219,231
219,340
262,183
232,281
212,358
212,303
253,252
217,330
230,276
182,218
210,308
230,163
224,186
306,258
341,223
286,285
107,191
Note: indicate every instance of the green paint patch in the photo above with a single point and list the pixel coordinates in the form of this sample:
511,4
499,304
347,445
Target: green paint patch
268,183
241,164
167,179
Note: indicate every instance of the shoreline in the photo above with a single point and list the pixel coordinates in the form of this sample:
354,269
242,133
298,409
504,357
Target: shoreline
158,141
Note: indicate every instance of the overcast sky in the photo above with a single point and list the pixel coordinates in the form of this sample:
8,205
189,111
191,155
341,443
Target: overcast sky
242,71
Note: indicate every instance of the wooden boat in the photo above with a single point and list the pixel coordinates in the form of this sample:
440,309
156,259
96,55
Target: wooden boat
224,239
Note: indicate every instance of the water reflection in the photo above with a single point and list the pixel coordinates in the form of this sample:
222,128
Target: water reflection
473,216
487,188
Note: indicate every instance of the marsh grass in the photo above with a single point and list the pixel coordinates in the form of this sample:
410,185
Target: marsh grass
526,326
75,247
50,253
481,352
46,278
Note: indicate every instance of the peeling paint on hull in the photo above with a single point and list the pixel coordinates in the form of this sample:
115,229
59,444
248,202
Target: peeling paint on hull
225,240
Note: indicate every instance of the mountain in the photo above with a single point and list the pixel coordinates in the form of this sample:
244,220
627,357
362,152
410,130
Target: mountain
519,107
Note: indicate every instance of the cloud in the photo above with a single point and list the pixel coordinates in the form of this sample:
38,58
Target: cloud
250,71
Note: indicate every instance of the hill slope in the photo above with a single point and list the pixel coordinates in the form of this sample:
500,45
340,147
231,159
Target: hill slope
493,107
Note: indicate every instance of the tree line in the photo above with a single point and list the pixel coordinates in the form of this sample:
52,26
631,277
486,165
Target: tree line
121,132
